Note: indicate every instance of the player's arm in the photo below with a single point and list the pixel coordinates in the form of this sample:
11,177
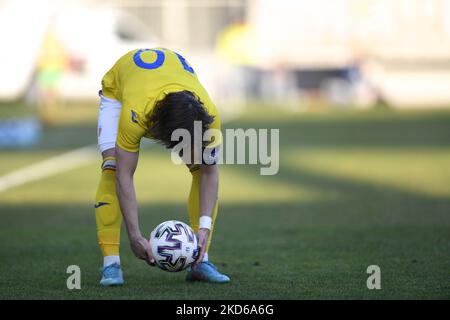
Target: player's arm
209,186
129,135
126,166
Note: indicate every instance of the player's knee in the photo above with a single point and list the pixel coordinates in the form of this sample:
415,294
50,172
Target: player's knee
109,163
109,153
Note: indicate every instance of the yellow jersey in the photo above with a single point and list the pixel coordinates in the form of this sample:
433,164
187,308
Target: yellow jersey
142,77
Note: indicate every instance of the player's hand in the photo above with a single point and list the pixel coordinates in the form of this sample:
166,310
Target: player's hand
142,250
203,236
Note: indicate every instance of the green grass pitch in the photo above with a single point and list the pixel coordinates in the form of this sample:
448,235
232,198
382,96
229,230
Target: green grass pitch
354,189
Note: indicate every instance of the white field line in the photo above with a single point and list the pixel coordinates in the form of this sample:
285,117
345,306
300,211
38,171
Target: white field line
46,168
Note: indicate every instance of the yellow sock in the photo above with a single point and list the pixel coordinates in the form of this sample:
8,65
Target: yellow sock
194,205
107,210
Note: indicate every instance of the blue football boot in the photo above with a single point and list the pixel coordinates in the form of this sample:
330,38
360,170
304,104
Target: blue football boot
112,275
207,272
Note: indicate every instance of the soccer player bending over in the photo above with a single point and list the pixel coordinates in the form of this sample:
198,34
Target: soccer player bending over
150,93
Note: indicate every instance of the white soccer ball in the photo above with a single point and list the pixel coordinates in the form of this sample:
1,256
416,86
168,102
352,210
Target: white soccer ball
174,245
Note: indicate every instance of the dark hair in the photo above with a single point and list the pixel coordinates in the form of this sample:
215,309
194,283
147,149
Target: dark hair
177,110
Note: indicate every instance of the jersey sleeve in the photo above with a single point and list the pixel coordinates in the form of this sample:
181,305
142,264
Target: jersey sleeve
109,84
130,131
111,81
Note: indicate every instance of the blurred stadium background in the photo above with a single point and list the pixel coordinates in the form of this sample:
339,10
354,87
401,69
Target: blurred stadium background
360,90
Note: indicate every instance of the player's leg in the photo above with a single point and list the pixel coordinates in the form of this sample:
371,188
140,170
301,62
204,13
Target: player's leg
107,209
205,271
